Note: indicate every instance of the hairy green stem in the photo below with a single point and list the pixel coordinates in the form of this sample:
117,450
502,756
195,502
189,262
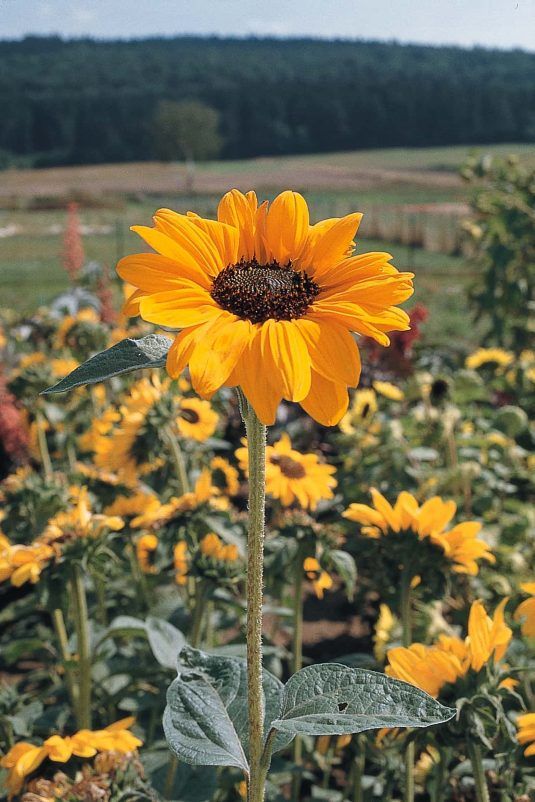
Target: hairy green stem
63,643
256,445
482,790
84,650
297,664
178,458
359,764
43,446
406,622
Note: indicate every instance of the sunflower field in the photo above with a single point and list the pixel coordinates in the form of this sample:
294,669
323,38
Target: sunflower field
375,639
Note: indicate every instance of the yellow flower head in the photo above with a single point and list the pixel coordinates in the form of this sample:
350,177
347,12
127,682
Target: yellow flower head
146,545
224,476
320,579
526,732
460,544
24,758
79,521
181,562
389,390
361,413
525,612
266,301
21,564
196,419
292,476
432,667
213,547
383,631
486,356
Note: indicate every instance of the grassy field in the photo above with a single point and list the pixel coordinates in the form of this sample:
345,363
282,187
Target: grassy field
113,197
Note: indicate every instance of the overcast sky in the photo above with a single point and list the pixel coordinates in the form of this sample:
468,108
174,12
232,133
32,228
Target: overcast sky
501,23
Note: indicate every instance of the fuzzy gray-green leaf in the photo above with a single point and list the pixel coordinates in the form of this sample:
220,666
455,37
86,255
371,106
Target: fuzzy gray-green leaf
332,699
124,357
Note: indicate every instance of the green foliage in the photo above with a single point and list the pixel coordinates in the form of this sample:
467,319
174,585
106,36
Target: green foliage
124,357
273,96
503,237
187,130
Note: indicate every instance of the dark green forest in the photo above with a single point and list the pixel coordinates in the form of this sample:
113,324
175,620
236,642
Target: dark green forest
84,101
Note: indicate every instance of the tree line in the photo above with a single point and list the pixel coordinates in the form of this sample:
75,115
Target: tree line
85,101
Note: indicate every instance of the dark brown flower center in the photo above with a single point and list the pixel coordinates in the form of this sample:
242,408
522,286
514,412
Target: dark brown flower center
258,292
288,466
189,415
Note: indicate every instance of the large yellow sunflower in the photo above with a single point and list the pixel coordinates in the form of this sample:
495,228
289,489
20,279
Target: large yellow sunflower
266,301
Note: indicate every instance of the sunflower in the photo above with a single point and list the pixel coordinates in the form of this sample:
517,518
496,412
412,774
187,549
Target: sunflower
361,413
525,612
489,356
292,476
224,476
321,580
146,545
196,419
526,732
432,667
460,545
389,390
266,301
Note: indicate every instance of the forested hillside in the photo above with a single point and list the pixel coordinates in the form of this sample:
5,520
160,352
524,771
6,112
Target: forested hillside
75,102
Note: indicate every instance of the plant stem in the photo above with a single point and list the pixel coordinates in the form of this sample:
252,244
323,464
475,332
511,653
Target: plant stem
482,790
198,615
297,664
406,621
359,764
178,458
63,642
43,446
84,653
256,445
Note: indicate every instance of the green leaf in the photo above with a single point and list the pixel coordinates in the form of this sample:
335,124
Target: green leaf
346,568
332,699
166,641
228,673
124,357
205,721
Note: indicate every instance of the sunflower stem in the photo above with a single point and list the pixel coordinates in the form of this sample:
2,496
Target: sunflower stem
406,622
256,445
178,459
359,763
84,651
297,664
43,446
482,790
63,642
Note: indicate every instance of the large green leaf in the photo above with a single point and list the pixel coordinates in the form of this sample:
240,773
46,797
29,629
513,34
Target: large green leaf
206,721
228,673
124,357
165,640
332,699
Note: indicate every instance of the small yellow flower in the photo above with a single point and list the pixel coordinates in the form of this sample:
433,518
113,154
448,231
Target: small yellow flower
292,476
486,356
383,630
224,476
361,412
525,612
212,546
196,419
146,545
389,390
526,732
181,562
320,579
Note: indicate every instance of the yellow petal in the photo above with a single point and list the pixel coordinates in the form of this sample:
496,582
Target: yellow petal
287,224
333,351
153,273
326,401
178,309
215,354
286,354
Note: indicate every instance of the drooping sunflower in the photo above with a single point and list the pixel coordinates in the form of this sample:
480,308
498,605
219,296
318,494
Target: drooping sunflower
460,544
266,301
292,476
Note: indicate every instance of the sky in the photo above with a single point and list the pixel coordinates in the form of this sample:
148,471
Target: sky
491,23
